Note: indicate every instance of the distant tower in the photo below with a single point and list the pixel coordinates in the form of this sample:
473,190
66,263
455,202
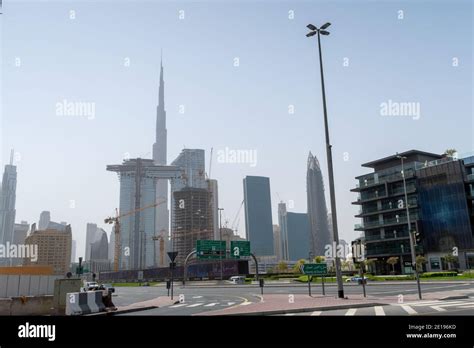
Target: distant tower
317,210
45,218
159,158
7,202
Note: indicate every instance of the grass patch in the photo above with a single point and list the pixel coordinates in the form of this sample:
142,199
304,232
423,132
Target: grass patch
117,285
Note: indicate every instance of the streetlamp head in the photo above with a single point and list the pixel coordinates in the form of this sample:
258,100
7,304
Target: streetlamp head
325,25
311,27
324,32
311,33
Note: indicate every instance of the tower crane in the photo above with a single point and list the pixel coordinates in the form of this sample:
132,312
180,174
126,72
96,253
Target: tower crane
116,221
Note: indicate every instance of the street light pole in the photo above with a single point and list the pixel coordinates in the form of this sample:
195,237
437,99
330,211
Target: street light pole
410,234
319,32
220,237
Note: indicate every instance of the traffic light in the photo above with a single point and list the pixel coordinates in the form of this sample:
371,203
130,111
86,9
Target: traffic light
417,237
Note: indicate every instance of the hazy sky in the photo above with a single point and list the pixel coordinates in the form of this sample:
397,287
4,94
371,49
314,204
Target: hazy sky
107,53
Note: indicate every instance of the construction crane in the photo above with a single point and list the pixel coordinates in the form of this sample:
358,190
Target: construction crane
116,221
235,223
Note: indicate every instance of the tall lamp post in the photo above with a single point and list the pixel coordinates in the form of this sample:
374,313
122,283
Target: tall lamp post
220,237
319,32
410,233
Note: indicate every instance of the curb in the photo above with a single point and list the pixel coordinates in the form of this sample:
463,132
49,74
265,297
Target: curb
460,297
130,310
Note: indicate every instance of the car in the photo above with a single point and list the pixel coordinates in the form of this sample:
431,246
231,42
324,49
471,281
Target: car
356,279
237,280
108,287
89,286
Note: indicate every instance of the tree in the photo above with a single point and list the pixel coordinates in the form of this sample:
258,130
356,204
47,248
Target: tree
392,261
319,259
297,266
450,152
282,267
450,259
368,263
419,260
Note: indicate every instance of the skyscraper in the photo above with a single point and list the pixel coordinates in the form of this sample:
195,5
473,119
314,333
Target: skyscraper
317,210
283,230
73,251
298,235
100,246
7,202
258,215
277,242
160,158
91,231
45,218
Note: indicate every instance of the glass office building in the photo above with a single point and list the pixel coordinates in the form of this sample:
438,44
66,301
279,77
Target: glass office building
439,191
258,215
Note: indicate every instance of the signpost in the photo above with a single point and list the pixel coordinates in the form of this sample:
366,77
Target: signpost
239,248
210,249
317,269
172,255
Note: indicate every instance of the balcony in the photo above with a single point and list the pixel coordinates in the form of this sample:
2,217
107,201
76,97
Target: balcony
387,237
382,179
370,197
387,222
384,209
470,177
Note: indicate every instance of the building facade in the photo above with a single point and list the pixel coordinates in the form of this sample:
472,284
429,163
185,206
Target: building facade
320,235
258,215
439,196
277,245
54,249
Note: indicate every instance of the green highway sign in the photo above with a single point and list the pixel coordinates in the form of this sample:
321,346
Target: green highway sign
210,249
239,248
314,268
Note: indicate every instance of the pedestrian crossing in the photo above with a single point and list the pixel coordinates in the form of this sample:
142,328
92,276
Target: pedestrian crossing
409,308
206,304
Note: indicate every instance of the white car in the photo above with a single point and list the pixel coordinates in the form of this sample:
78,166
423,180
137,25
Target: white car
91,286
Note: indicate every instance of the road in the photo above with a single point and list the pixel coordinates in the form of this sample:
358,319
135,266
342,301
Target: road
198,299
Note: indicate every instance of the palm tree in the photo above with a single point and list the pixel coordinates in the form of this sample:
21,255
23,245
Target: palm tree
450,152
369,263
319,259
392,261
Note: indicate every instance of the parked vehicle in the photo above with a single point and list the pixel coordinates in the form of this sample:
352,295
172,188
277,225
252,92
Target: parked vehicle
357,279
108,287
237,279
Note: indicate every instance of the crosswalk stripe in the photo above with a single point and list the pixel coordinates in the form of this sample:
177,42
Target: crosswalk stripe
408,309
438,308
179,305
451,304
467,306
211,304
351,311
195,304
316,313
290,314
379,310
421,303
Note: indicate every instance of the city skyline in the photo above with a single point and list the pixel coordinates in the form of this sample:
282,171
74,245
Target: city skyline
73,141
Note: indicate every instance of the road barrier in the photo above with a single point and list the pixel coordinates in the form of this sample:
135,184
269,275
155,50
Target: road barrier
79,303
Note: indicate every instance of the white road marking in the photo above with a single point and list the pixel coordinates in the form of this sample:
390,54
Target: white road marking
467,306
351,311
196,304
379,310
197,296
408,309
211,304
289,314
228,304
245,303
179,305
316,313
438,308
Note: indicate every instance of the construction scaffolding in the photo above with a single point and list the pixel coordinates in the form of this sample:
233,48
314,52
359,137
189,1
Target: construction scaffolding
193,220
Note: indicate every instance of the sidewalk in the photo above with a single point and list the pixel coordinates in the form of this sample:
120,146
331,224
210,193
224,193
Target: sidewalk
272,304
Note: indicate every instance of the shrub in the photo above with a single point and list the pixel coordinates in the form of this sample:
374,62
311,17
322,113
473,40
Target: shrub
438,274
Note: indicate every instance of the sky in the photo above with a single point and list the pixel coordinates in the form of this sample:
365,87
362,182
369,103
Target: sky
240,75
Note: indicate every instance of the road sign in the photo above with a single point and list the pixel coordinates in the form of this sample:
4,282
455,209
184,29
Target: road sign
172,255
210,249
239,248
314,268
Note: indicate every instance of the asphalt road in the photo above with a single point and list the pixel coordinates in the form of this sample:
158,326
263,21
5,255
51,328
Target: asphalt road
198,299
